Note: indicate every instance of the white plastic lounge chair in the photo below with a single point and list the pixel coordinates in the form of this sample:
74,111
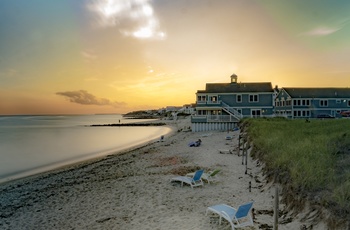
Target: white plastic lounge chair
237,218
210,176
194,181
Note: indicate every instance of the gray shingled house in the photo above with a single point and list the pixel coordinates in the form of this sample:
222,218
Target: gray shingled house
221,105
312,102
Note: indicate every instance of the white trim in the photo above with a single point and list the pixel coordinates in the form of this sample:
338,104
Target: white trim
239,94
253,101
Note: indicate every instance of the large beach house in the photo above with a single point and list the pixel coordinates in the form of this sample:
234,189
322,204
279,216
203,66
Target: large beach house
313,102
221,105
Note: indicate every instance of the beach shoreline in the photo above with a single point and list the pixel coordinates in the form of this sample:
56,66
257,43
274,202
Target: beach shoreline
86,158
132,189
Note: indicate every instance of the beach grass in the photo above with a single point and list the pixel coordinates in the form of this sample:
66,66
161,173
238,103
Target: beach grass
313,156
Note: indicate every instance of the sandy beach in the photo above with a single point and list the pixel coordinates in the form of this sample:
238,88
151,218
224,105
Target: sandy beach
133,190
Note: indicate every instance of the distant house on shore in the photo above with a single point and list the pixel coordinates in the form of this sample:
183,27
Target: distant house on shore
221,105
188,109
312,102
174,111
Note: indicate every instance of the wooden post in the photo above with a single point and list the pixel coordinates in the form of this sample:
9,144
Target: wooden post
246,161
239,144
243,148
275,217
246,155
244,145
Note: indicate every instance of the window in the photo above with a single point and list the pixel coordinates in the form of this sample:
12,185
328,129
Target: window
256,112
304,102
253,98
239,98
213,99
338,101
348,102
323,103
301,113
299,102
201,98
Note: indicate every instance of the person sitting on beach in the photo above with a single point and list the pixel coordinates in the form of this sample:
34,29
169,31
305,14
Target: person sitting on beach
161,138
195,143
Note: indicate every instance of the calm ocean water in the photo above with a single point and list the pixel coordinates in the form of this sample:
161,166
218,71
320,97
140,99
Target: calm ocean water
33,144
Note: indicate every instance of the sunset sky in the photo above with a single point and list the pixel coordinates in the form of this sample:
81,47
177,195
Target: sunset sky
116,56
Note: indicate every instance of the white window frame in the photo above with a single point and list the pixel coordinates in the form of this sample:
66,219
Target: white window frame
323,103
256,110
213,97
239,101
255,98
201,98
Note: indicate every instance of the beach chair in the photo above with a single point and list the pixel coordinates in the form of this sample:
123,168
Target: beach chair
208,177
194,181
237,218
211,176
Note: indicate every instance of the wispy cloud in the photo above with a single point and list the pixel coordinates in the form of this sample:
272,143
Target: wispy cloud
88,55
322,31
8,73
134,18
85,98
152,83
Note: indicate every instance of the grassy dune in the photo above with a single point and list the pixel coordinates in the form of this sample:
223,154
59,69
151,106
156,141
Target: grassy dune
313,157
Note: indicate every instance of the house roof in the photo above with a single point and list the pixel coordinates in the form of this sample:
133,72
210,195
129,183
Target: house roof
237,88
318,92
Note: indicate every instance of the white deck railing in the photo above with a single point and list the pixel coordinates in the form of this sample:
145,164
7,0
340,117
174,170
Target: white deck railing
215,118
